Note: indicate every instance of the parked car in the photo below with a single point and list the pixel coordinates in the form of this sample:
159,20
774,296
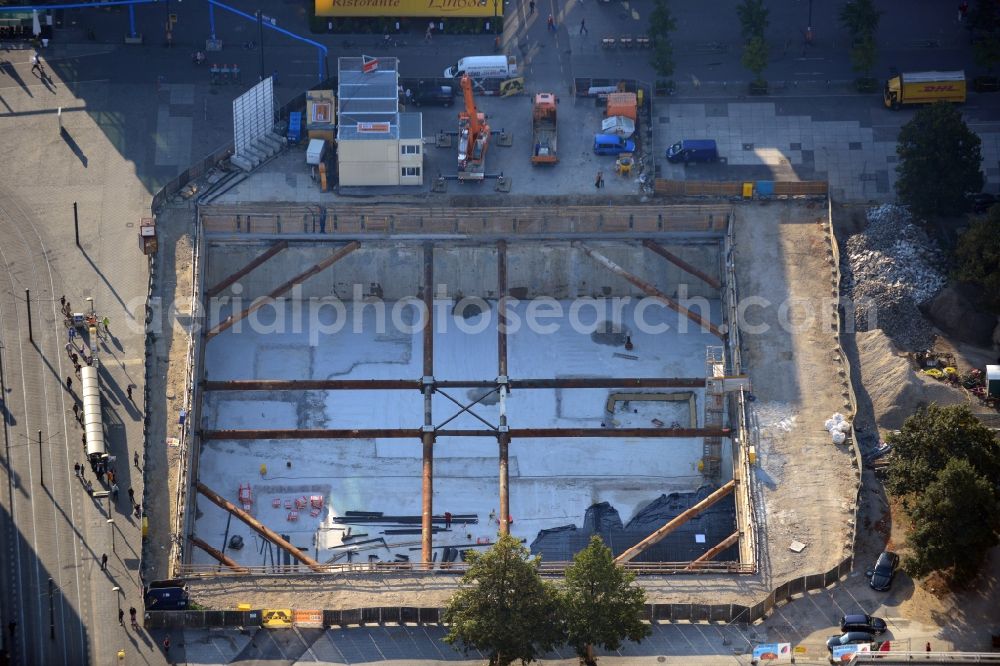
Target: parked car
863,622
885,568
693,150
848,638
612,144
432,95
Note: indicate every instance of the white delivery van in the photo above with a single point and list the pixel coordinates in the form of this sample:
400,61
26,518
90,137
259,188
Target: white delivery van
483,67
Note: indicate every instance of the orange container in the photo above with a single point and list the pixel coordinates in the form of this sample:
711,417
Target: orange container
622,104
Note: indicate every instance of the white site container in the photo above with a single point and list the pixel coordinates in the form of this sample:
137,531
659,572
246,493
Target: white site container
993,380
314,153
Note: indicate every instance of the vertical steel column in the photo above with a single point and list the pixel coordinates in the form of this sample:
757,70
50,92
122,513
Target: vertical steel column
503,438
426,519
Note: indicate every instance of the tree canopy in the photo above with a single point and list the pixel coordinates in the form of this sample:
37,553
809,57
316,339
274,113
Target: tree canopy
978,255
661,24
753,17
503,608
939,162
955,523
861,18
944,464
600,602
932,437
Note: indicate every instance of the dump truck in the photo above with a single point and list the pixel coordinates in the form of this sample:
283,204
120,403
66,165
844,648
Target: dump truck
924,88
543,129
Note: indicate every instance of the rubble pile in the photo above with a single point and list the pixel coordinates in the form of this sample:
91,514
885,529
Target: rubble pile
891,268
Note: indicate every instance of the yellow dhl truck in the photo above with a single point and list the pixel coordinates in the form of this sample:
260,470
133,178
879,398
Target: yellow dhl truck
924,88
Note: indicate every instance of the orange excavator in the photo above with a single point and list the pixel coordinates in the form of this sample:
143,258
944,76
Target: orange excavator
473,137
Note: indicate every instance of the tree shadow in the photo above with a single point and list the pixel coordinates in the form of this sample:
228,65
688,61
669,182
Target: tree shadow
7,68
74,146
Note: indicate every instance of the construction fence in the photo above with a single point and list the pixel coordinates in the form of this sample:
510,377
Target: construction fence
761,189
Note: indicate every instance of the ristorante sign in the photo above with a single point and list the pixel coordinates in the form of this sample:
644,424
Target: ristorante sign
402,8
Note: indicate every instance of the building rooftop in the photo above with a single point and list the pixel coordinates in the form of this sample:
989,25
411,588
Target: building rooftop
367,97
411,126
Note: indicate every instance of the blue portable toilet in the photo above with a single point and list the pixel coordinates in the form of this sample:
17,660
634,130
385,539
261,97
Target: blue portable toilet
294,127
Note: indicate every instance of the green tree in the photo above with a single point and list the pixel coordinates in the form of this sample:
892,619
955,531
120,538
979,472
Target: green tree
932,437
978,255
661,24
860,18
955,523
863,55
755,57
939,162
753,19
600,603
503,608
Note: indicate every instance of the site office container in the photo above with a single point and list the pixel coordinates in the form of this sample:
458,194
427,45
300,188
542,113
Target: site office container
924,88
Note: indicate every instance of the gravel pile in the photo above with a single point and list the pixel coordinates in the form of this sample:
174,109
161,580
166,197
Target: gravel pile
891,268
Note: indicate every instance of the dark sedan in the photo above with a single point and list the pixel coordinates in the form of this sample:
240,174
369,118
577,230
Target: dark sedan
849,638
863,622
432,95
885,569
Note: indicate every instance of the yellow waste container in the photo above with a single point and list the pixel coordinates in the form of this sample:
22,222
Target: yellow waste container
747,190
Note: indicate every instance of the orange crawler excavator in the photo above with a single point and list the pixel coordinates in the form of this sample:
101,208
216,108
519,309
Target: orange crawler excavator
473,138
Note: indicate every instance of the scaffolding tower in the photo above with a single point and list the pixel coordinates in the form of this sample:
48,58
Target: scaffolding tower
715,373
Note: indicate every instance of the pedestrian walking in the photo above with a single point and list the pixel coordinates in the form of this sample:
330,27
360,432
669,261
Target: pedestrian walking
69,349
135,459
114,491
104,562
36,65
75,359
62,301
138,510
121,617
430,30
128,389
583,27
76,409
551,23
106,321
131,496
77,368
76,467
90,489
599,180
69,383
927,648
447,520
72,335
166,644
531,7
131,614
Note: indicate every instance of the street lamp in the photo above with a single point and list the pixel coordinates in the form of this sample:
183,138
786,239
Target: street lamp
90,299
118,596
111,524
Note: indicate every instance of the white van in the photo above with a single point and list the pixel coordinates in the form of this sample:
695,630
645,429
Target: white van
483,67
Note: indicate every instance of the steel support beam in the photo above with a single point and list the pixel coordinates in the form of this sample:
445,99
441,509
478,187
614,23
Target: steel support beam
282,289
513,433
673,524
503,437
650,290
712,552
683,265
218,555
257,526
427,436
260,259
416,384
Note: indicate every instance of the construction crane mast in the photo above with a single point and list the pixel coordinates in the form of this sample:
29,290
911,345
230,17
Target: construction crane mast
473,137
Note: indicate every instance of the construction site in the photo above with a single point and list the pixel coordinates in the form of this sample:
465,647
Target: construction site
381,389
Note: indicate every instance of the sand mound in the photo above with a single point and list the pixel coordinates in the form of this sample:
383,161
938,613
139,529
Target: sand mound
895,388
